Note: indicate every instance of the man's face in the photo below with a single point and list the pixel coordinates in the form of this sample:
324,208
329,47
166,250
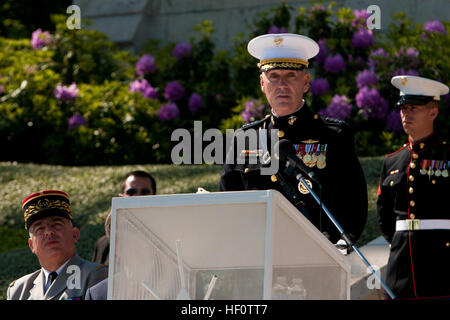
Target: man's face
137,186
284,89
418,119
52,239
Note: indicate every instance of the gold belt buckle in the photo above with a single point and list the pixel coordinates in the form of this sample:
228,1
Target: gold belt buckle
412,224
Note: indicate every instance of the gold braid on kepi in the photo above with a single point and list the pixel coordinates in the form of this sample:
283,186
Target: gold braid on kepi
46,203
282,63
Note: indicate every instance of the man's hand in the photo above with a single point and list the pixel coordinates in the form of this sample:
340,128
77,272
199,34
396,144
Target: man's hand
343,247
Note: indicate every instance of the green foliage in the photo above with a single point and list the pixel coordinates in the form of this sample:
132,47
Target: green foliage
12,238
125,127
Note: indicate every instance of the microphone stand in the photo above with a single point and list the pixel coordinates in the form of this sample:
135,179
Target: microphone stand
344,236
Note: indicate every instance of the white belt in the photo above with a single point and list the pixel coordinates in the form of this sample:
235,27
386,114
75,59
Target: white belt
417,224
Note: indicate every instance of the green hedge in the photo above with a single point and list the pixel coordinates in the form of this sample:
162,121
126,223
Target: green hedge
118,126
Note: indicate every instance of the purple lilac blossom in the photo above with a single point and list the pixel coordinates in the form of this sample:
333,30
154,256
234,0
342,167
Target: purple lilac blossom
361,17
144,87
323,51
75,121
394,121
379,53
366,78
195,102
174,91
66,93
253,110
40,39
372,104
334,64
146,65
168,112
339,108
375,55
363,38
434,26
411,52
181,50
319,86
275,29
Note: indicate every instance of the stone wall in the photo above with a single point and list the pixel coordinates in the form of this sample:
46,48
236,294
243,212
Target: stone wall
131,23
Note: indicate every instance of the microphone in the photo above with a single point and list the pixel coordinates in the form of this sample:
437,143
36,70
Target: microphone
285,151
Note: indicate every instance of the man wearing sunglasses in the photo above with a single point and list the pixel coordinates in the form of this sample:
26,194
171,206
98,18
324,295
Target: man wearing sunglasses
412,196
135,183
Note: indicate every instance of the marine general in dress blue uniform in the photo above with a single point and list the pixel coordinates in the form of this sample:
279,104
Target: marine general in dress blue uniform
324,144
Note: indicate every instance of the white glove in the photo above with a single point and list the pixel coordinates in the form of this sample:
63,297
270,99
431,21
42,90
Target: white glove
201,190
342,246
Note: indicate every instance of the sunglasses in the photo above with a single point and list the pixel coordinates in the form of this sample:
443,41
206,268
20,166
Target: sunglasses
135,192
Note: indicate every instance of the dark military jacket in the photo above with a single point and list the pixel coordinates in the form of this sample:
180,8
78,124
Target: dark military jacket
414,184
343,187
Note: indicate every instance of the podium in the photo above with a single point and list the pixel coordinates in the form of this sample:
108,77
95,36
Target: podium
248,239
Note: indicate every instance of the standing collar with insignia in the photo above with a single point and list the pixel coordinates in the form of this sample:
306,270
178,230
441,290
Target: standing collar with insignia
423,143
302,116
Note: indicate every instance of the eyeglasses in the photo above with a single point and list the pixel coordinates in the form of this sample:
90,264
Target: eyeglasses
134,192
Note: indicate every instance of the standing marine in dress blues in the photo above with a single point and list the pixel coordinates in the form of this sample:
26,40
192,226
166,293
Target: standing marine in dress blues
412,203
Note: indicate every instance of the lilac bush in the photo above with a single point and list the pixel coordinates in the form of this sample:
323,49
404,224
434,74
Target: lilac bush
253,109
195,102
366,78
168,111
77,120
40,39
334,64
363,38
319,86
394,122
339,108
144,87
66,93
373,105
361,17
182,50
174,91
434,26
145,65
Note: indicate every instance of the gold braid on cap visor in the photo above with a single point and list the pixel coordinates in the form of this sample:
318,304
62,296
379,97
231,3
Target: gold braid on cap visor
283,63
47,204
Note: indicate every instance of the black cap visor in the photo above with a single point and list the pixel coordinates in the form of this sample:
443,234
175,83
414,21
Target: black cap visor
415,100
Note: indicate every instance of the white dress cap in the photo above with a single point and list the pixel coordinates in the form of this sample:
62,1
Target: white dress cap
283,51
419,86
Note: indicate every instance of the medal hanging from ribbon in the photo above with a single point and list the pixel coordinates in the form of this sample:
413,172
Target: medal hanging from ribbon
423,167
444,167
437,170
322,159
307,157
